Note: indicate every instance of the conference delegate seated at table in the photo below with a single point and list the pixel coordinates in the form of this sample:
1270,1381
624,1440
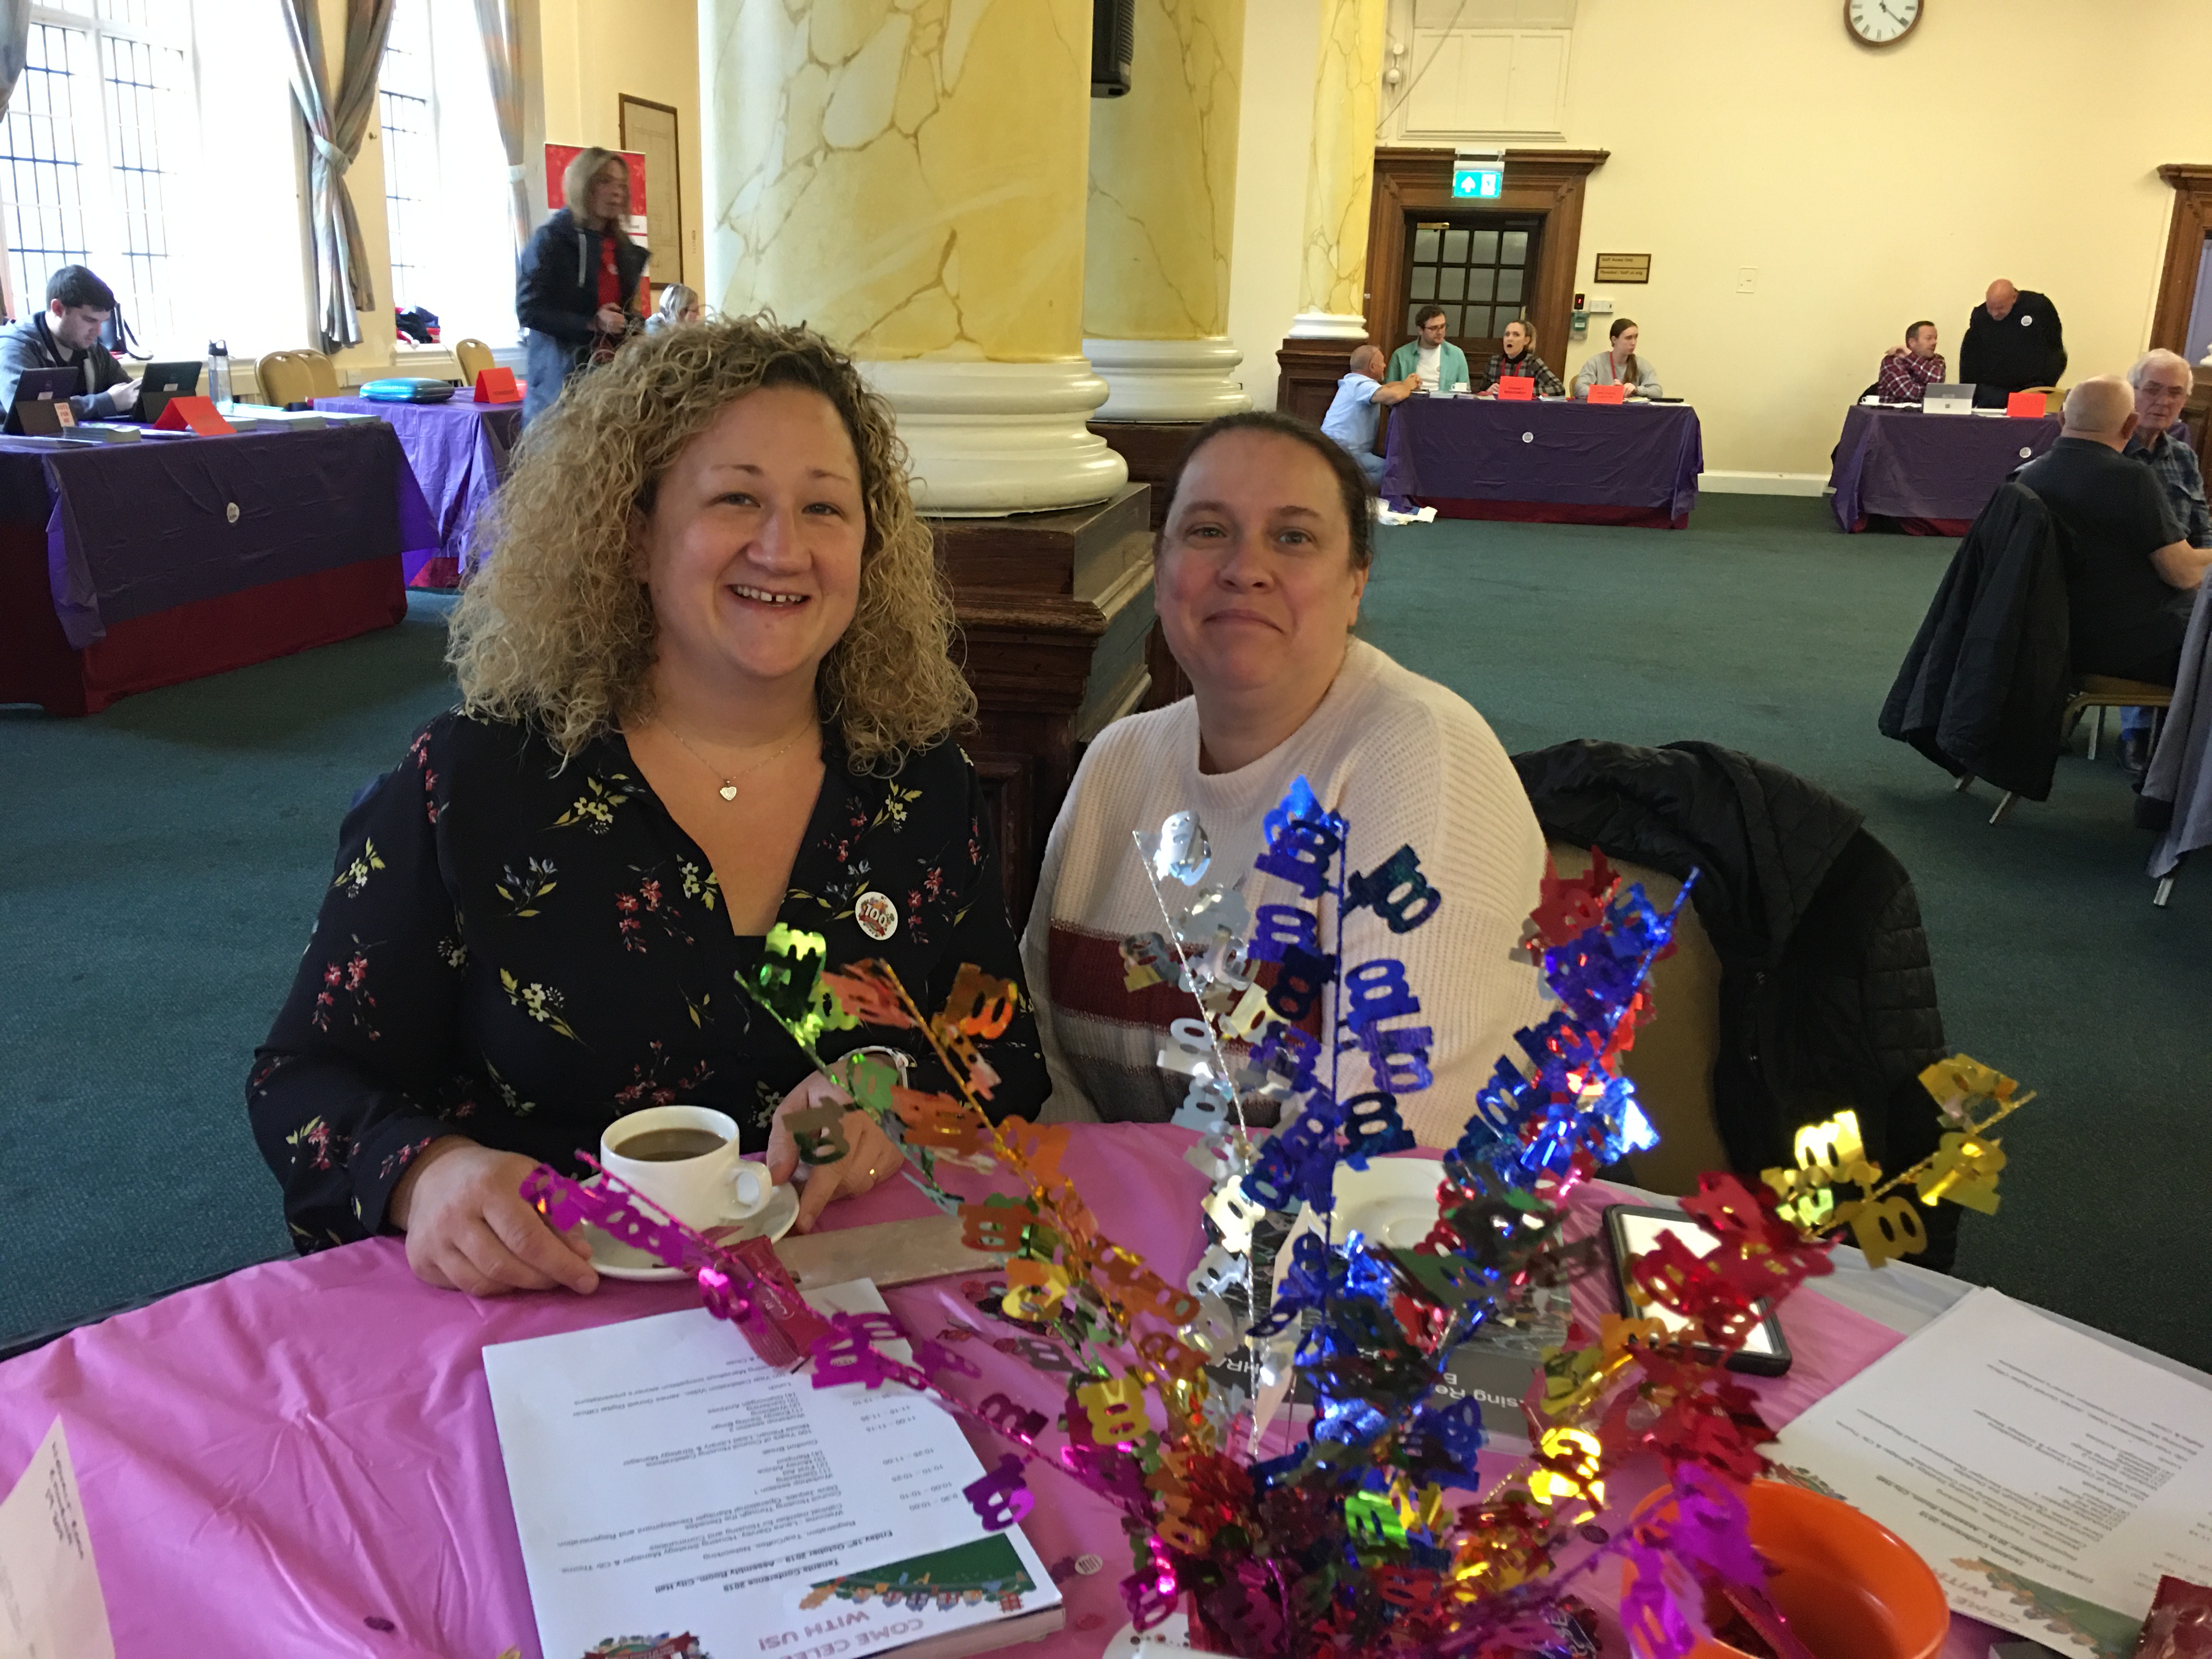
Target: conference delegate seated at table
1258,574
1519,360
1618,365
1356,408
1433,362
2131,578
2163,381
66,335
690,711
2013,341
677,306
1909,370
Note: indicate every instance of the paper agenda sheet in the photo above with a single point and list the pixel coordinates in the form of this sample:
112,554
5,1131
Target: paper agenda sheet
2047,1479
675,1497
51,1607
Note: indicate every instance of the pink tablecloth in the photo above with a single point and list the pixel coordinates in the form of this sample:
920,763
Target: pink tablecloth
300,1459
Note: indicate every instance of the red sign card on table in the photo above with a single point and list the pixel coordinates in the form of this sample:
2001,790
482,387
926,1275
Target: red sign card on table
193,415
1608,394
1517,388
2028,403
496,385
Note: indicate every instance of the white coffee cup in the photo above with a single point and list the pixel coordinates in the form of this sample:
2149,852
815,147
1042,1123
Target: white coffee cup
703,1191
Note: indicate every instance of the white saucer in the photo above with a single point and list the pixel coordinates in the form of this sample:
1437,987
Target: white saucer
617,1260
1393,1200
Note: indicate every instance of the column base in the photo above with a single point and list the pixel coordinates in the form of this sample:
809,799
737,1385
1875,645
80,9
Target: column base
988,438
1167,379
1326,326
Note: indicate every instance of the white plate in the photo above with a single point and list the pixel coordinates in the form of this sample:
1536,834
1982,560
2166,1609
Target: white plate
618,1260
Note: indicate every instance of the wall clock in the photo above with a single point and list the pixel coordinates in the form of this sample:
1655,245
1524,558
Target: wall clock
1881,23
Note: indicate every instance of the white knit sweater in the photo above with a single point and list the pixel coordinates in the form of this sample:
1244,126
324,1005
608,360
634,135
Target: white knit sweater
1405,761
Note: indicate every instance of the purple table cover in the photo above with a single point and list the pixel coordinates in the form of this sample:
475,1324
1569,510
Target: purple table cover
134,528
1905,464
1639,454
459,453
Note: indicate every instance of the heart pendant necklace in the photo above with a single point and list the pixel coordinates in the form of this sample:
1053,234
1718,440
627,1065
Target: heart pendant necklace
729,789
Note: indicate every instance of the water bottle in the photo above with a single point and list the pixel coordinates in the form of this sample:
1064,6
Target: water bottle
219,373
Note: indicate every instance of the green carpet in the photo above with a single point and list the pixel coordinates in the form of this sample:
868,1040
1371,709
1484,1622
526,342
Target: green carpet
164,861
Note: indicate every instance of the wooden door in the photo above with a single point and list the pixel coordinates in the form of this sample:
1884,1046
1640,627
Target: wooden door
649,128
1480,267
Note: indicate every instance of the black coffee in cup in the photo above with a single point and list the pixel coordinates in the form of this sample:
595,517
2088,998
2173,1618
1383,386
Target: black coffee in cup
670,1145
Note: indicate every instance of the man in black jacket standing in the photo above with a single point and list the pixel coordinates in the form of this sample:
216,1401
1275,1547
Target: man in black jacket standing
2013,341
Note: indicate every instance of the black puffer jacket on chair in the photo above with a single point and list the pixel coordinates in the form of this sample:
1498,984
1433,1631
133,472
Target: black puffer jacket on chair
1985,684
1827,997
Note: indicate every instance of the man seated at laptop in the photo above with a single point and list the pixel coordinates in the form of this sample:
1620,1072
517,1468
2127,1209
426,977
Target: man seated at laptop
1356,408
2130,576
1908,371
66,335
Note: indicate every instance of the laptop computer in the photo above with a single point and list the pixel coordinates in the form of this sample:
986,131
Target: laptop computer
42,386
163,382
1948,398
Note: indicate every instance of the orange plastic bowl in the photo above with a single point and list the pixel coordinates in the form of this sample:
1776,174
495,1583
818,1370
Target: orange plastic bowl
1851,1588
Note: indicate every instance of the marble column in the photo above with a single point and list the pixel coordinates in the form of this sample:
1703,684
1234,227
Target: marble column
1340,173
1162,214
907,176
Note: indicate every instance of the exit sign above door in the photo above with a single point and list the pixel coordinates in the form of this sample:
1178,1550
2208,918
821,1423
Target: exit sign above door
1478,175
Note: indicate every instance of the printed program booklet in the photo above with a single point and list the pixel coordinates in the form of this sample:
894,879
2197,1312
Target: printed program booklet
677,1498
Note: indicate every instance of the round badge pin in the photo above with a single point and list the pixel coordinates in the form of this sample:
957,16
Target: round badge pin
877,915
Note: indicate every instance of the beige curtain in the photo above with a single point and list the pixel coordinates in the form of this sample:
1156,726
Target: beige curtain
502,51
15,47
336,128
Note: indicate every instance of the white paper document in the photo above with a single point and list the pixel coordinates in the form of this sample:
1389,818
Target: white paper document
2047,1479
674,1495
51,1607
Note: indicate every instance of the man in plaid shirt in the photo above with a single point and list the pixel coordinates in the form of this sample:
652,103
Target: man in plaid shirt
1906,371
2163,381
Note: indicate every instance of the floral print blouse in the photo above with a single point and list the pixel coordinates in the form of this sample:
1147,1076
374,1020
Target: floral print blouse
521,952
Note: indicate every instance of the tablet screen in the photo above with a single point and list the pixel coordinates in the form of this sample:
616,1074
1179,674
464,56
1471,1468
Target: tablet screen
1639,1233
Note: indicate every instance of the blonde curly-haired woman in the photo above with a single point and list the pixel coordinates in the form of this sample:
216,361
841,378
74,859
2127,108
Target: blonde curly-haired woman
704,689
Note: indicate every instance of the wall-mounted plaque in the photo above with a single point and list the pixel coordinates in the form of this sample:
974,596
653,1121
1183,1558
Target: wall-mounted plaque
1623,268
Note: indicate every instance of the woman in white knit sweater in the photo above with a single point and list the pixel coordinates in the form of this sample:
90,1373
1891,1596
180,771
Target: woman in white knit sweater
1258,572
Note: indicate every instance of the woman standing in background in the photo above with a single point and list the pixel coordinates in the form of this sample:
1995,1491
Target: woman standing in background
576,284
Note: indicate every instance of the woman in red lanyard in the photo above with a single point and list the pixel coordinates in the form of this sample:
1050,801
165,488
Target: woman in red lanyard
576,284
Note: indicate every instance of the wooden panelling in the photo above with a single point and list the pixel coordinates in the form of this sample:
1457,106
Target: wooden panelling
1311,370
1055,610
1152,448
2184,252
